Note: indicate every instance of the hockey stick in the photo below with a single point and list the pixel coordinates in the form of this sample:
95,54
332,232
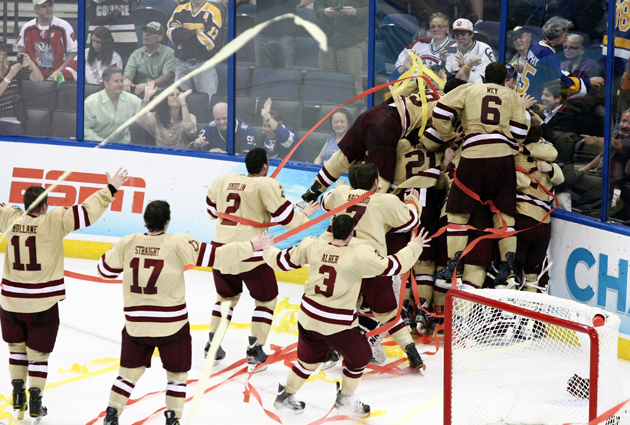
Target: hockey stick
209,364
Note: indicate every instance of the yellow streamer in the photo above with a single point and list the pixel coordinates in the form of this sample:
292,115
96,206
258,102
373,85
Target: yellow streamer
417,410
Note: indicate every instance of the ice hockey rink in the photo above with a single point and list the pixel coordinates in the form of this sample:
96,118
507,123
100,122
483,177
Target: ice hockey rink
85,363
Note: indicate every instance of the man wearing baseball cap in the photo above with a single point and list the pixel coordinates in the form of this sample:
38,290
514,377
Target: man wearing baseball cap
522,38
472,56
50,42
152,62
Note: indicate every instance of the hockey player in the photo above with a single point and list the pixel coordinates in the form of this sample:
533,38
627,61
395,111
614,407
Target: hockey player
543,64
532,204
374,218
33,283
327,316
155,305
494,121
377,132
261,199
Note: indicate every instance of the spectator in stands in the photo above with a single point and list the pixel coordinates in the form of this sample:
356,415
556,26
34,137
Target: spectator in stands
152,62
12,109
213,137
100,55
275,45
472,56
277,138
620,149
432,50
167,6
195,46
108,109
347,30
50,42
512,76
172,125
115,15
577,65
340,123
558,117
522,39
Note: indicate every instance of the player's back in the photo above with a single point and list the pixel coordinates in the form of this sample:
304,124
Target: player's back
153,280
373,216
416,167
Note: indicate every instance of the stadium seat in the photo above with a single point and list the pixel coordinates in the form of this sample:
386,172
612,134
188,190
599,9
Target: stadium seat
314,144
276,83
408,21
139,136
246,9
247,54
243,79
306,53
198,105
492,31
328,87
38,123
395,37
67,97
40,94
258,130
245,107
90,89
486,38
64,124
290,110
244,22
595,52
307,15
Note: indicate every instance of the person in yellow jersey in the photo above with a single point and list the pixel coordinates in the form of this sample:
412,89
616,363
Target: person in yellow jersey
156,315
261,199
33,283
328,316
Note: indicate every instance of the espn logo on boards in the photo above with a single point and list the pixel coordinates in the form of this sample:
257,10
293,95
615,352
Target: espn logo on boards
76,188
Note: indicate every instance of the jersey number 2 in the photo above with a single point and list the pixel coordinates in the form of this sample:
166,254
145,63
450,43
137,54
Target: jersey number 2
233,208
151,288
33,265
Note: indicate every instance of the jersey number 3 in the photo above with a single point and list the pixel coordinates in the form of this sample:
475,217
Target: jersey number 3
151,288
329,282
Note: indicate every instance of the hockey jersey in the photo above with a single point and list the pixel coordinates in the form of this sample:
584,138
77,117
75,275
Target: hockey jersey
49,46
447,177
260,199
542,67
373,217
189,42
493,118
622,32
427,50
416,167
410,110
477,72
531,199
33,279
334,278
244,137
154,292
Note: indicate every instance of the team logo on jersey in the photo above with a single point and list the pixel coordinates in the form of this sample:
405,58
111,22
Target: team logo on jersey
76,188
194,244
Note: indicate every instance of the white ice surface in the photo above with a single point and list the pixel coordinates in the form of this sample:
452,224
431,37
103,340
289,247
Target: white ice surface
91,324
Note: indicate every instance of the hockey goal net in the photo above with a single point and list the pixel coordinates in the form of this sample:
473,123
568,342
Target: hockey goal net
525,358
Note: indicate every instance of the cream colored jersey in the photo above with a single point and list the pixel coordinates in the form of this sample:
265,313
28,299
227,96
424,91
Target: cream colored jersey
410,110
493,117
334,278
448,176
260,199
373,217
531,199
153,277
416,167
33,280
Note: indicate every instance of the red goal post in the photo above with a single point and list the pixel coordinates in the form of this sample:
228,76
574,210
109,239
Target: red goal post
519,357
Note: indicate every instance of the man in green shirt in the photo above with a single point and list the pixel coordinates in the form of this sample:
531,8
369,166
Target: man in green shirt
108,109
153,62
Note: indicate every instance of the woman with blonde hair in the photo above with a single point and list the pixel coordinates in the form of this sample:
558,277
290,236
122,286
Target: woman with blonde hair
12,108
172,125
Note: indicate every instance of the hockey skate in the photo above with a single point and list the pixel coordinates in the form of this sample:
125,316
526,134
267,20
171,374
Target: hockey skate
407,314
111,416
378,352
578,386
170,418
444,277
311,194
255,356
415,360
288,401
506,278
36,410
331,359
19,398
351,405
220,352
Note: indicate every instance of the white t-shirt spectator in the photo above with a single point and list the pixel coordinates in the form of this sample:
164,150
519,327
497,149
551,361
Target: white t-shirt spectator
478,72
94,72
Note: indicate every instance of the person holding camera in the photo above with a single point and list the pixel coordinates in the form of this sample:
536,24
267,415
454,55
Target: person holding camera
12,109
345,22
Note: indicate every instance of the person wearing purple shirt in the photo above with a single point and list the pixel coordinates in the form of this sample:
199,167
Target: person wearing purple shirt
577,65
